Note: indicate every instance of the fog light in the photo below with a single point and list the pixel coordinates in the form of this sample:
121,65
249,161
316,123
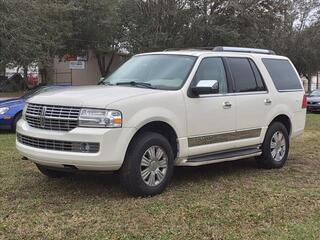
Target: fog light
85,147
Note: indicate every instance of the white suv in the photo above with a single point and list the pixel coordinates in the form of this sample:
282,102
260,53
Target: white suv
173,108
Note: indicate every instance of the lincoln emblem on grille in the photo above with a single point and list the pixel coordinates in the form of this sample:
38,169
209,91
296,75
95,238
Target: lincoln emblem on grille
42,116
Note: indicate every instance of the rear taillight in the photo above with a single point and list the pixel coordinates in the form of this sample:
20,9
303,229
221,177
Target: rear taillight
304,102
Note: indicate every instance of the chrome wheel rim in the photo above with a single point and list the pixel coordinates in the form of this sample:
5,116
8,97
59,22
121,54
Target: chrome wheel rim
278,146
154,165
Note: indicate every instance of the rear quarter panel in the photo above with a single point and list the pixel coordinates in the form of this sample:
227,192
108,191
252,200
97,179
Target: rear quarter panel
287,103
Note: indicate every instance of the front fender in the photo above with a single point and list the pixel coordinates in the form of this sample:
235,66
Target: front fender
155,114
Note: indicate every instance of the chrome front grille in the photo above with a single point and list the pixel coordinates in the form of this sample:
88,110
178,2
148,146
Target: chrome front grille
58,118
65,146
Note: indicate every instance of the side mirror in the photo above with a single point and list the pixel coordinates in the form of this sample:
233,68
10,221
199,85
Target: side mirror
206,87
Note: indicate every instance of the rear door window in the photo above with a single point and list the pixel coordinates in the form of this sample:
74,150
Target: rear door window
283,74
246,76
260,82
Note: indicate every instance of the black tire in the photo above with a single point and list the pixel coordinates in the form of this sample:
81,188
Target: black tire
131,171
52,173
267,160
15,121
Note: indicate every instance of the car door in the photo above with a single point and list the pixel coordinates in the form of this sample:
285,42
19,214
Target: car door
211,118
253,101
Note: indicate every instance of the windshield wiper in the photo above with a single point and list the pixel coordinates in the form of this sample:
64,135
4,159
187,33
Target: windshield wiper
133,83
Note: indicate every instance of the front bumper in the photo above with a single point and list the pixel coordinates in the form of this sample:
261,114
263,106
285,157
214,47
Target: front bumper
313,107
113,146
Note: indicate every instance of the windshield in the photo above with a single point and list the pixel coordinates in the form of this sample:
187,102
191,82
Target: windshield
156,71
315,94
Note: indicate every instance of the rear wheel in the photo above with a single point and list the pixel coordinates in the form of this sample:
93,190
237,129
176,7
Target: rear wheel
275,147
52,173
148,165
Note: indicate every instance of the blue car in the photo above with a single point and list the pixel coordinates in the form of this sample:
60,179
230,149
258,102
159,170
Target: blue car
11,109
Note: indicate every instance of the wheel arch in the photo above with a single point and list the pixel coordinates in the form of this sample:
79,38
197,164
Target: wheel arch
285,120
161,127
13,122
19,112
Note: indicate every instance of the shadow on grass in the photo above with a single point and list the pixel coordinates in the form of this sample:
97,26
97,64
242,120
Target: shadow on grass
89,185
209,172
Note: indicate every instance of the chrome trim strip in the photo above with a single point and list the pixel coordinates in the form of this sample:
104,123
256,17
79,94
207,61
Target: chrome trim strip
185,162
233,94
291,90
224,137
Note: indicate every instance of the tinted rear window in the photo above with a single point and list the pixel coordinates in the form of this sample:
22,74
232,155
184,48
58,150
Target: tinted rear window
244,76
282,74
259,79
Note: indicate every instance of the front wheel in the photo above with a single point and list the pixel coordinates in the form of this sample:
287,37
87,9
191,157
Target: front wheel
275,147
148,165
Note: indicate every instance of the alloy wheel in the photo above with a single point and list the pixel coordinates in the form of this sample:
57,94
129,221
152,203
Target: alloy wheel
278,146
154,165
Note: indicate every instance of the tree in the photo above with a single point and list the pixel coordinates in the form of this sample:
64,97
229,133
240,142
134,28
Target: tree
43,29
95,27
32,31
299,36
154,25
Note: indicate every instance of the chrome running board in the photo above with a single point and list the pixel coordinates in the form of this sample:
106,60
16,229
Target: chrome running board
218,157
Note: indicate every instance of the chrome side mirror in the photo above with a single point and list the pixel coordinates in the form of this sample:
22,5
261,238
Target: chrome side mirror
206,87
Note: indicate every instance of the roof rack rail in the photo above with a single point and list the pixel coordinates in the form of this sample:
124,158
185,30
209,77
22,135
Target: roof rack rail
190,49
244,50
225,49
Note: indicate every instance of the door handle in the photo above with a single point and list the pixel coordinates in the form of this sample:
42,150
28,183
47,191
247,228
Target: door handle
227,105
268,101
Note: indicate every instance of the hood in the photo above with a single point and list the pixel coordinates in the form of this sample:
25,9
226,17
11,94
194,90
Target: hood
11,102
89,96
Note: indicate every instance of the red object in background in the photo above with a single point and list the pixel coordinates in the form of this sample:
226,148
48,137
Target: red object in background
32,79
69,57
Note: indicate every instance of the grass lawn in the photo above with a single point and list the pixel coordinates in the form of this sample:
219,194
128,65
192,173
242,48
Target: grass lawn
232,200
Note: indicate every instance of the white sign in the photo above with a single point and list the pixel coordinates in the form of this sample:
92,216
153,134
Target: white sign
79,65
85,58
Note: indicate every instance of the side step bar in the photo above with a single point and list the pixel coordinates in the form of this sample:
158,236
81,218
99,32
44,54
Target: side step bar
218,157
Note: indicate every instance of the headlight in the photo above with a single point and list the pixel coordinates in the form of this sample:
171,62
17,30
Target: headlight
100,118
3,110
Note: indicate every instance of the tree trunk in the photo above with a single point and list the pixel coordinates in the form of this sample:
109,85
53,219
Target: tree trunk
309,77
109,64
25,78
101,63
104,70
2,72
